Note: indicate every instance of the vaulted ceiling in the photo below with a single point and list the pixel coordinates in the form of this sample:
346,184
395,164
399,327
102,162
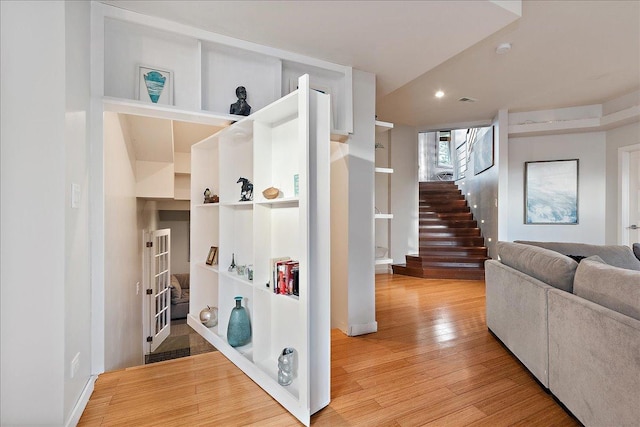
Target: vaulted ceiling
564,53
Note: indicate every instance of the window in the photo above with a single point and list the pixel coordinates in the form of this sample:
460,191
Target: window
444,149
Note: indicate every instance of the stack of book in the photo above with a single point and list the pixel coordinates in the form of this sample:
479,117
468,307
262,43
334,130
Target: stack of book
285,277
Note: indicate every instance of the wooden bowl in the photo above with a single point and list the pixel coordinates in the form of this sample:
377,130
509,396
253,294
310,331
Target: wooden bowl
271,193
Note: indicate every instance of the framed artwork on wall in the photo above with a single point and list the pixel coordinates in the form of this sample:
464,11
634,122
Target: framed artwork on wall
154,85
551,192
483,150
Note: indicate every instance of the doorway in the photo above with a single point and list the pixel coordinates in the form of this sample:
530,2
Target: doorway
146,170
629,195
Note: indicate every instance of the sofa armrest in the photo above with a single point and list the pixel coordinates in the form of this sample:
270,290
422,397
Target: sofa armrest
517,315
594,360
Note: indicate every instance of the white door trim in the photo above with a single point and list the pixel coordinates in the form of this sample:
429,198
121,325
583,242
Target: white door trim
623,189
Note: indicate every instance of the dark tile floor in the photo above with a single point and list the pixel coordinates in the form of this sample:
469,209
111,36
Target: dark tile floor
181,342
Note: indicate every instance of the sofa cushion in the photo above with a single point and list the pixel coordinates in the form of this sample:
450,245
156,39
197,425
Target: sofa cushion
617,255
615,288
183,279
546,265
184,298
176,289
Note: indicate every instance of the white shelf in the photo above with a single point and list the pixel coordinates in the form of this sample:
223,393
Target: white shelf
237,278
213,268
384,170
382,261
249,203
219,341
269,148
206,205
383,126
293,201
208,67
140,108
383,216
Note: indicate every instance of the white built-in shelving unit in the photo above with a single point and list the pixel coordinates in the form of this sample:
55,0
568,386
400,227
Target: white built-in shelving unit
383,175
293,119
287,138
207,68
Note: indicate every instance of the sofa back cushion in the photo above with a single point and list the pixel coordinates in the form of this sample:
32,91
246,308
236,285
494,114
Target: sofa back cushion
615,288
183,279
617,255
546,265
176,289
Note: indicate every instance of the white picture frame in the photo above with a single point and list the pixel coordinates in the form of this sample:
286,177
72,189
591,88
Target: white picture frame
159,91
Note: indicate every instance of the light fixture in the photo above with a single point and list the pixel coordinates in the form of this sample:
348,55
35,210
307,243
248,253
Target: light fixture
439,94
503,48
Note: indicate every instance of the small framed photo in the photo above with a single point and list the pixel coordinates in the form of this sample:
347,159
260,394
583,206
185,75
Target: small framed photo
212,258
154,85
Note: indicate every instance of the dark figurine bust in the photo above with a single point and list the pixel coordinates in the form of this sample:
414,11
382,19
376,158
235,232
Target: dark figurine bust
240,107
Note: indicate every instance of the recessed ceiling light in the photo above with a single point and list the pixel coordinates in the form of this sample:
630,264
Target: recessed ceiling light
503,48
439,94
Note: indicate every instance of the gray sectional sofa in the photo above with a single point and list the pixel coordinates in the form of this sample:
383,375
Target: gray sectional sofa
574,325
179,295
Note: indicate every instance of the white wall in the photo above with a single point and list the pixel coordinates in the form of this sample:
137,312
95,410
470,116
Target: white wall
481,192
404,192
178,223
615,139
32,203
77,259
361,275
339,235
589,148
123,251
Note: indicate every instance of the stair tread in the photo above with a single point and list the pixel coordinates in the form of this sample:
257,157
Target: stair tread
451,244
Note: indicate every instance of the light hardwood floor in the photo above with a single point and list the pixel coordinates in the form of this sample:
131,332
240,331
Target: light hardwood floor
432,362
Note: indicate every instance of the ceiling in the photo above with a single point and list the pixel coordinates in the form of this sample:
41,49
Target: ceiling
157,140
564,53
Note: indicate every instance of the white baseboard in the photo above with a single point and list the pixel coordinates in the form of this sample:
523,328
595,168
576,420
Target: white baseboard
81,404
361,329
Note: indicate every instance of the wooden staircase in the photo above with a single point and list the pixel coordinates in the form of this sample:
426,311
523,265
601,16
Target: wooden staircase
451,244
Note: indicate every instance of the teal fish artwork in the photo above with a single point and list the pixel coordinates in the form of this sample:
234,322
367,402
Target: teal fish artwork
155,84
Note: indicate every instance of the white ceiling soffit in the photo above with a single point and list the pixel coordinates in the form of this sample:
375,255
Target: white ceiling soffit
396,40
186,134
564,54
151,138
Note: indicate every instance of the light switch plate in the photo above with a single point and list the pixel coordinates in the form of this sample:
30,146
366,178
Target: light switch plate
75,195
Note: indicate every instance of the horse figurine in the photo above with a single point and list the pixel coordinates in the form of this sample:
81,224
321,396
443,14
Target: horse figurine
246,193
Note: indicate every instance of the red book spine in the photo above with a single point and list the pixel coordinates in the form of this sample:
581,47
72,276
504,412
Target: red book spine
282,283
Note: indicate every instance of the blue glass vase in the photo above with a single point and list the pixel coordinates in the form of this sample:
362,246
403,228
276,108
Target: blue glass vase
239,328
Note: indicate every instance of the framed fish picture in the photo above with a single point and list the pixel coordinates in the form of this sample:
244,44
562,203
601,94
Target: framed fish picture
154,85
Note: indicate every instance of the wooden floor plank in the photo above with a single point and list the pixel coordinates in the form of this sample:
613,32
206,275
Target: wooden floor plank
432,362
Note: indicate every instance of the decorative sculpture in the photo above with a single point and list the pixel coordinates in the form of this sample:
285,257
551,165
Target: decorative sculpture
209,316
246,192
240,107
209,197
232,267
286,366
